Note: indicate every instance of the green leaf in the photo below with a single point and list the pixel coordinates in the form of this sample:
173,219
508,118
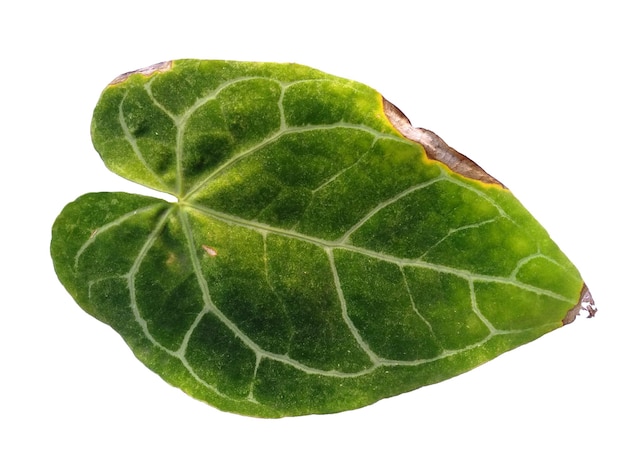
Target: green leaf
322,253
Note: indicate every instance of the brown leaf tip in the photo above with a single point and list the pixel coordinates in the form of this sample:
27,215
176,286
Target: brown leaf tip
147,71
436,148
585,304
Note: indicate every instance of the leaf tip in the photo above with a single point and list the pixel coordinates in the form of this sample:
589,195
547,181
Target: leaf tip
147,71
436,148
585,304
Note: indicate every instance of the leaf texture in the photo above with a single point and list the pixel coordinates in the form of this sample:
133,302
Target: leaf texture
317,259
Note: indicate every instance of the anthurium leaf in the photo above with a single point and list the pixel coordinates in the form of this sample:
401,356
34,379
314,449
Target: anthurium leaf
322,253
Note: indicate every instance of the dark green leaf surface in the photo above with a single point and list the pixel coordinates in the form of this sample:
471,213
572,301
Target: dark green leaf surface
316,259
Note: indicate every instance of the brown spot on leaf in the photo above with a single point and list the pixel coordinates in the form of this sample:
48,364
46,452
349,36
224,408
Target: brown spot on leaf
585,303
209,250
436,148
171,259
160,67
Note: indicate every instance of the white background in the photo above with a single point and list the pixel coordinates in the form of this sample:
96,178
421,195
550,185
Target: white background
533,91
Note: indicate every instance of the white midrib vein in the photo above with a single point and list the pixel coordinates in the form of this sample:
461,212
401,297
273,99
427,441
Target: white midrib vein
344,245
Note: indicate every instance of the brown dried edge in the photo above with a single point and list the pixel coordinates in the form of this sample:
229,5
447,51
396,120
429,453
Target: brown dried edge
585,303
160,67
436,148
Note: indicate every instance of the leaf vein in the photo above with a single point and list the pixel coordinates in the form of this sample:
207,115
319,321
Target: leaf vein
95,233
384,204
259,227
132,141
452,231
415,309
275,137
344,311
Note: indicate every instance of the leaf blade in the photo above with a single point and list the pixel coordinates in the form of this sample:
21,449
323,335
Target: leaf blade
317,258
